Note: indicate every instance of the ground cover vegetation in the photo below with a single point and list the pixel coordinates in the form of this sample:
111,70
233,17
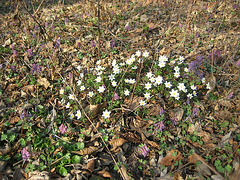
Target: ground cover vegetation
119,89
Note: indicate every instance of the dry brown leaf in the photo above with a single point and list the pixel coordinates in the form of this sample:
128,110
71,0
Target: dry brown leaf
14,119
135,102
86,151
170,158
117,142
195,158
212,83
105,174
43,82
91,165
153,144
225,103
177,113
28,88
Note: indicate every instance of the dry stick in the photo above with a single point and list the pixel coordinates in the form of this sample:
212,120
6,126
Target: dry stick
38,8
42,31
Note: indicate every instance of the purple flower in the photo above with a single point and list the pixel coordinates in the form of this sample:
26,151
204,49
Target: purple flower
46,24
173,119
79,28
160,126
63,129
144,150
116,96
189,118
79,45
23,115
36,27
70,75
25,154
195,112
66,20
58,42
238,63
93,44
34,36
230,95
127,28
1,65
30,52
195,64
112,43
12,68
14,52
52,28
36,68
161,111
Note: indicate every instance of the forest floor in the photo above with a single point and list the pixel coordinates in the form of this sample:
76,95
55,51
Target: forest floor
121,89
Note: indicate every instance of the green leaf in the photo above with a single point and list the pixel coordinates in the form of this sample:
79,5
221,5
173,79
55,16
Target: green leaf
76,159
62,171
228,168
80,145
3,137
225,124
22,142
174,153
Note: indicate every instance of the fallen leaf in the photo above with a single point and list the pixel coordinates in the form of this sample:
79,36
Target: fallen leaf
86,151
117,142
91,165
195,158
171,157
105,174
43,82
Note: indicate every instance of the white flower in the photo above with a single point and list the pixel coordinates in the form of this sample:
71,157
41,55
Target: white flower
163,58
116,70
71,96
98,62
147,95
71,116
132,81
172,63
132,58
114,62
174,93
98,79
122,64
114,83
79,67
90,94
111,77
99,68
139,60
152,79
99,73
145,54
168,84
181,58
138,53
185,90
61,91
106,114
148,86
177,97
101,89
81,75
126,92
79,114
177,74
159,80
190,96
181,87
194,93
193,87
129,61
79,82
203,80
186,69
176,69
149,75
142,103
68,105
82,88
126,80
134,67
208,85
161,64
